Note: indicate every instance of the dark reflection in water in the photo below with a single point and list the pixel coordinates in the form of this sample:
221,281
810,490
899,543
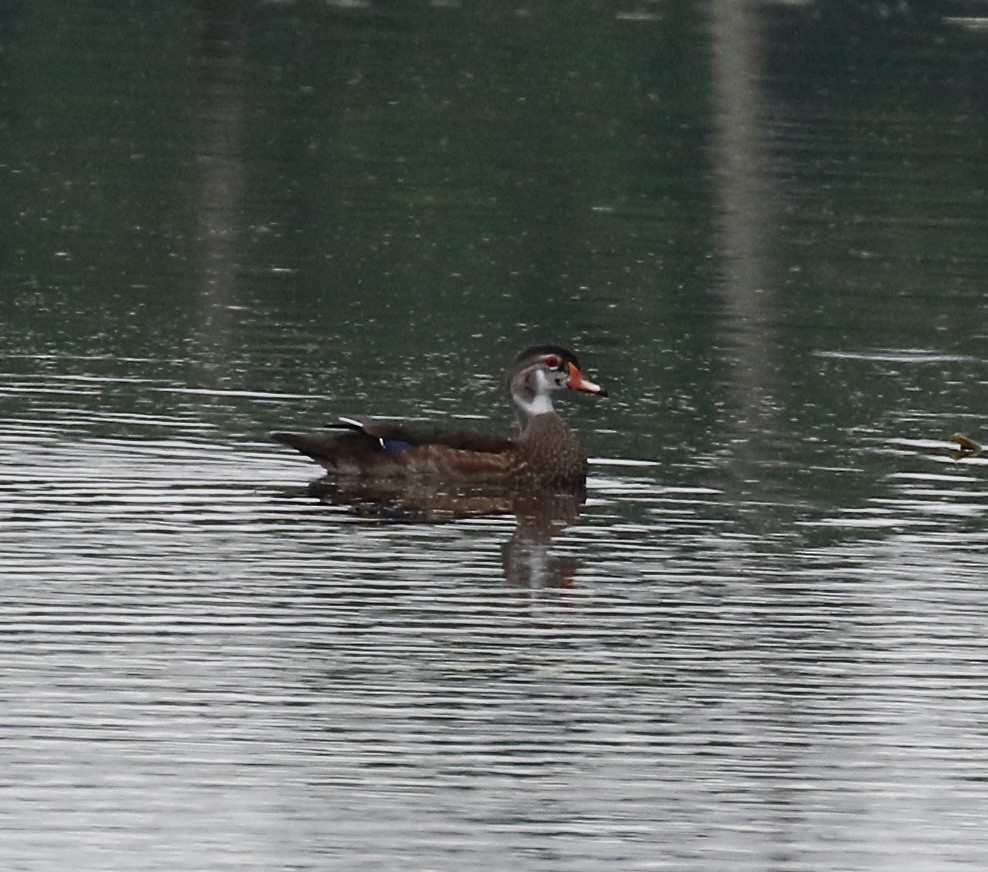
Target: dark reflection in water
221,107
540,516
747,215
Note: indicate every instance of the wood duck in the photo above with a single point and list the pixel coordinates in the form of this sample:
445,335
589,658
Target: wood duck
545,453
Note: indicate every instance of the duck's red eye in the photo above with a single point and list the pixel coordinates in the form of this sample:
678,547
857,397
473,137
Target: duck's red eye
551,361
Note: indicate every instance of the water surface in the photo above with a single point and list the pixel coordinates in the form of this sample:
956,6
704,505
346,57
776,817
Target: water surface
758,645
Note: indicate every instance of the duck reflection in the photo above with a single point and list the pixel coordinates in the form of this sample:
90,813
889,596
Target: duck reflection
526,557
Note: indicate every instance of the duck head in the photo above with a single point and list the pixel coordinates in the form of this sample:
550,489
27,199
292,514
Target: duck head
539,371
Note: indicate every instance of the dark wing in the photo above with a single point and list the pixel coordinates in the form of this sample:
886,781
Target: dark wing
396,438
372,447
351,452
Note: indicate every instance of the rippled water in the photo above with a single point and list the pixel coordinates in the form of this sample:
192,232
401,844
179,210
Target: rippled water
760,644
204,667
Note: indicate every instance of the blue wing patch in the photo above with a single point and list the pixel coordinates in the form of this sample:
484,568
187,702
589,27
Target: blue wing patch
394,447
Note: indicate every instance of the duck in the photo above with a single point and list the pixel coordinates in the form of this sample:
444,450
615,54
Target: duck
545,453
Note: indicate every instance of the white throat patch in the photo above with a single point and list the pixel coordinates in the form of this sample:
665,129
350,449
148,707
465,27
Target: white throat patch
541,403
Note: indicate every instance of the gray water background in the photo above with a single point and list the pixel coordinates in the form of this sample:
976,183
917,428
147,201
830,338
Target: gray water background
761,645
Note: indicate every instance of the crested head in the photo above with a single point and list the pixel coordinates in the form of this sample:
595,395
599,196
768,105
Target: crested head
538,371
537,352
